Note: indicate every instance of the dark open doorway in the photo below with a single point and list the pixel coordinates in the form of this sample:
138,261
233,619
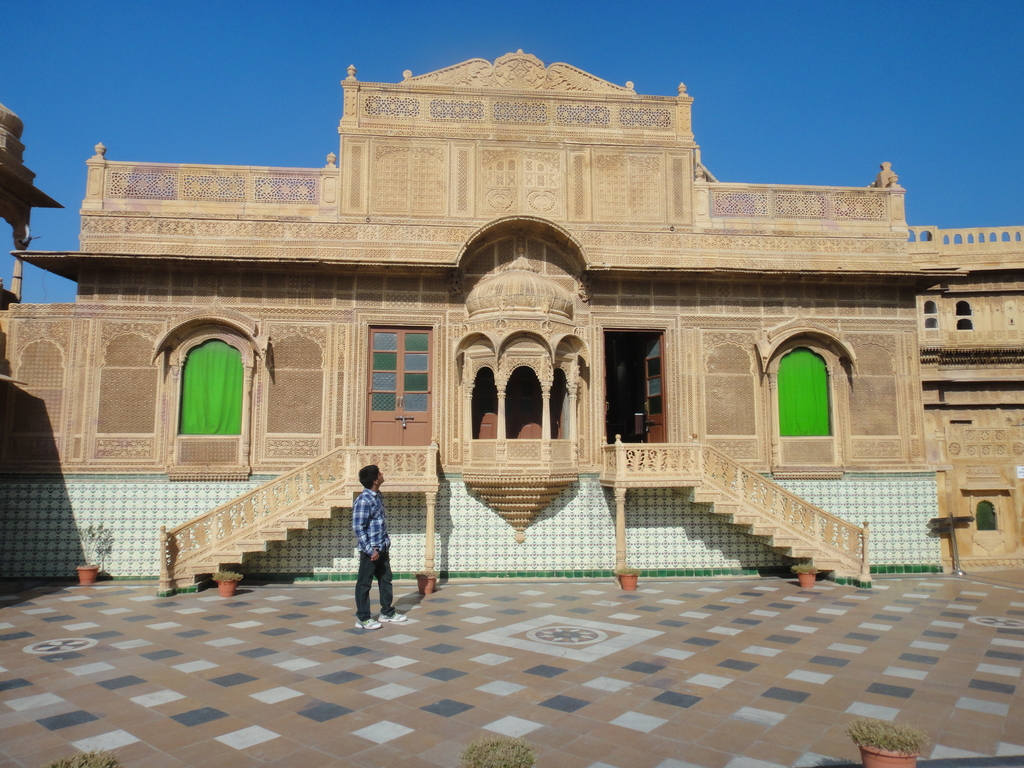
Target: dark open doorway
633,386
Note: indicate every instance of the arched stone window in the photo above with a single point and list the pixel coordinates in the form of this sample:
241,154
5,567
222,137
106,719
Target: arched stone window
963,308
485,406
803,395
930,308
523,405
211,390
985,516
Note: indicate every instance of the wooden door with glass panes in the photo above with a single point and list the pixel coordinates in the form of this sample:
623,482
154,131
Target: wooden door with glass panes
655,422
399,387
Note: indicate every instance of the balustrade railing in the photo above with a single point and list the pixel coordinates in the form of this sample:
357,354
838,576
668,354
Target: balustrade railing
193,543
665,464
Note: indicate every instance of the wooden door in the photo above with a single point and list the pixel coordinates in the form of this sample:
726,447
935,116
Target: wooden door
399,387
653,388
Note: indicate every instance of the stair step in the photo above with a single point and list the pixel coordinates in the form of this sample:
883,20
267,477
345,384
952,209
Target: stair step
251,545
274,534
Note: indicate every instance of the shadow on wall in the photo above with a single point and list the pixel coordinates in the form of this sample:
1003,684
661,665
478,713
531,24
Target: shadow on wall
667,529
38,532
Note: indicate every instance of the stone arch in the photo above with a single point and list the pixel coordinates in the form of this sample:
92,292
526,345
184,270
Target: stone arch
526,226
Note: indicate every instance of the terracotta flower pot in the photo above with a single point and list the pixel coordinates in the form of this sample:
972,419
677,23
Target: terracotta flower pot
873,757
87,574
227,588
807,580
425,584
627,582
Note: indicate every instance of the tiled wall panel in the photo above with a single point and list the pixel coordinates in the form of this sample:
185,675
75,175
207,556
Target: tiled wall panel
897,511
666,529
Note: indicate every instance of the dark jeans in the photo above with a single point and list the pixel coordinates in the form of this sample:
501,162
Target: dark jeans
369,570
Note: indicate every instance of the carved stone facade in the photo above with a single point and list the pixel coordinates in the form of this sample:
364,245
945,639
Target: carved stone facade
569,268
972,355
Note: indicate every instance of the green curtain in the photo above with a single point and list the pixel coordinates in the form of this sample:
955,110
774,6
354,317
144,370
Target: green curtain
211,390
803,394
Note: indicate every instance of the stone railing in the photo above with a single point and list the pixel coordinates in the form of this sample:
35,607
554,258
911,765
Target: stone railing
971,240
199,545
761,503
651,465
777,505
114,184
126,181
750,201
521,455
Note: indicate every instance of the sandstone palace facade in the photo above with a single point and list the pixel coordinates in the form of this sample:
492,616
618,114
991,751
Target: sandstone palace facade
519,290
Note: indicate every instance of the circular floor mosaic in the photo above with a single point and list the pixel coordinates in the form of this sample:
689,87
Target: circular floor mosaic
1000,622
60,645
567,635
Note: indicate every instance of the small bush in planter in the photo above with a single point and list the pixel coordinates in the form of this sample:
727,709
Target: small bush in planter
86,760
625,570
804,568
427,573
97,543
881,734
498,752
227,576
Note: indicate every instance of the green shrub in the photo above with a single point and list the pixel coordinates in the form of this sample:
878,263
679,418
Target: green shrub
86,760
498,752
880,734
625,570
227,576
804,568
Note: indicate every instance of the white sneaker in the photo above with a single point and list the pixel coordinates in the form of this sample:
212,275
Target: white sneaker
370,623
394,618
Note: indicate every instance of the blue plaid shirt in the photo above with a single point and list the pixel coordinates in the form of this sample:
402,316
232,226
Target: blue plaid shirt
370,523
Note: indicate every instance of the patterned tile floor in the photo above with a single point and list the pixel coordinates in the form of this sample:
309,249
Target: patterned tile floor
734,673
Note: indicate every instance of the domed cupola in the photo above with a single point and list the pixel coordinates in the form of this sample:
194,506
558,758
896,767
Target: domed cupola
519,290
11,122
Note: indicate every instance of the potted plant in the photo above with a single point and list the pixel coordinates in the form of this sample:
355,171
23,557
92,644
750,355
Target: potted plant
426,580
886,745
227,582
97,543
498,752
627,577
806,574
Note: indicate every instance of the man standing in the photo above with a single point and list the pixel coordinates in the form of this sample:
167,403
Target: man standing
371,529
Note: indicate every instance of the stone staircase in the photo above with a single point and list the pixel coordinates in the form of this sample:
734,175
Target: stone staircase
792,525
269,512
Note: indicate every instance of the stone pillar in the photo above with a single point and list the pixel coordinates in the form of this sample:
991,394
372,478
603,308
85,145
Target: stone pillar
246,415
620,527
499,448
545,423
428,553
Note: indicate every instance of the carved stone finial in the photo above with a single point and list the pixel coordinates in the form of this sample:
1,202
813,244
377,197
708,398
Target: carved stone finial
682,89
885,178
629,85
351,72
100,150
406,74
332,160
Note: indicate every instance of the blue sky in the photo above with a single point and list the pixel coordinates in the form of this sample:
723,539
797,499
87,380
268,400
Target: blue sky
785,92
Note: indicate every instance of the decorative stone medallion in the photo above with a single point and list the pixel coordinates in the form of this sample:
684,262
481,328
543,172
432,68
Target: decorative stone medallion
1000,622
569,638
60,645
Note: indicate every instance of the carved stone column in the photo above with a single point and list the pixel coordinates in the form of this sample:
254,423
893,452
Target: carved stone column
545,423
775,443
499,448
247,406
467,420
428,550
620,527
